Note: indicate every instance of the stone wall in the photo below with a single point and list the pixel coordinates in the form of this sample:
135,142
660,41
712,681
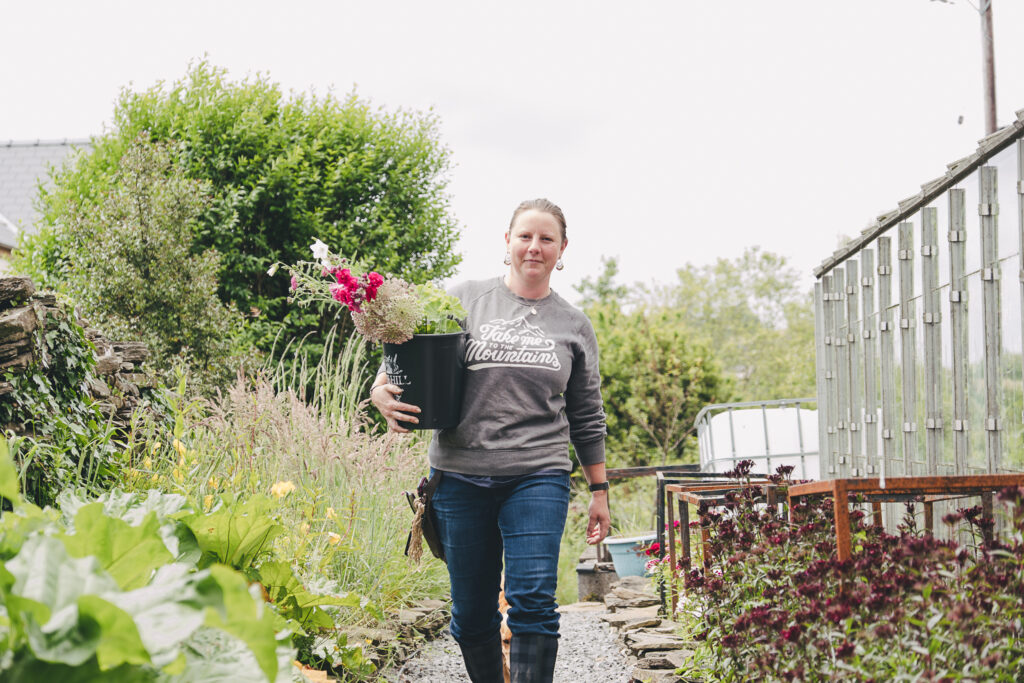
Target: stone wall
26,315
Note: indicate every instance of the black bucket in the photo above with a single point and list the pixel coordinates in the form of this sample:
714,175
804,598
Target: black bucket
430,369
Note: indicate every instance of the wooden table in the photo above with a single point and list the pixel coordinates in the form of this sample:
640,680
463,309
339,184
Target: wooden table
896,489
706,494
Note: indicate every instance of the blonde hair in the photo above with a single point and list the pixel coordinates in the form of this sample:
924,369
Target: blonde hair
541,204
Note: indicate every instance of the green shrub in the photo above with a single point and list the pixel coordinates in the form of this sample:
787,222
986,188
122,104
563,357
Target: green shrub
64,440
131,270
281,171
654,381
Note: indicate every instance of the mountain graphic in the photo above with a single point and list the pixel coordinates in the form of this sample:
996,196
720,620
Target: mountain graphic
519,324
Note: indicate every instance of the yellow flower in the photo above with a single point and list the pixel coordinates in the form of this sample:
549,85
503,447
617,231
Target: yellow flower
331,514
179,447
178,476
304,528
333,538
157,446
208,502
147,462
213,483
282,489
155,477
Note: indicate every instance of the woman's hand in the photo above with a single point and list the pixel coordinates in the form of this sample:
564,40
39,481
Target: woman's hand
600,518
385,398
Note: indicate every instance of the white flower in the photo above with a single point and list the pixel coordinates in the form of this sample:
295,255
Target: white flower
320,252
272,270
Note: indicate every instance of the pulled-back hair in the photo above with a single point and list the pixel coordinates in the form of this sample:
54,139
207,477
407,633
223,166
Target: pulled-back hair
541,204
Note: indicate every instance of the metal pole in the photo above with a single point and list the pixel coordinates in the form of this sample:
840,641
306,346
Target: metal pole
988,59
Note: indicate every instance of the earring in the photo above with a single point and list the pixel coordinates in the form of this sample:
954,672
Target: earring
559,264
508,259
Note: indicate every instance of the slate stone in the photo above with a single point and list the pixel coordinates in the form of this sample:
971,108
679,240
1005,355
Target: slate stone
655,675
107,365
636,583
585,606
14,348
15,289
17,322
132,352
620,618
644,641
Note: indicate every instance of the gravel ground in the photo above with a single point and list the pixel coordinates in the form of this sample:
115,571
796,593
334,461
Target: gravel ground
588,651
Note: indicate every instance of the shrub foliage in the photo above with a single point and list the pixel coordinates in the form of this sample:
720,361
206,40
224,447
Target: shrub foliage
776,604
281,172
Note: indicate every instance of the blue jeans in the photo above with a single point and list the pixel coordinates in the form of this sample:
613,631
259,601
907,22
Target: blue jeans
525,519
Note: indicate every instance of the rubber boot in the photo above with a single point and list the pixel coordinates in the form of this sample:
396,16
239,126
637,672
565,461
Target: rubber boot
483,661
533,658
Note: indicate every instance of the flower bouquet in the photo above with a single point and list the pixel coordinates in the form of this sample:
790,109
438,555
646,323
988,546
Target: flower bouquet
420,326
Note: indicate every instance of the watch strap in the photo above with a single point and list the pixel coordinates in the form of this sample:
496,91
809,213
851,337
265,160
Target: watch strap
603,486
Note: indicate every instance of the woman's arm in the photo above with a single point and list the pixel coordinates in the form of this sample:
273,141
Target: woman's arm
389,406
600,515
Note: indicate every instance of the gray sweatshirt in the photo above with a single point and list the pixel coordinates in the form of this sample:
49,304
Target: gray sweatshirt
532,385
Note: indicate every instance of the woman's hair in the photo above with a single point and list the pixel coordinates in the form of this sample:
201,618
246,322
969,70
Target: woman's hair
541,204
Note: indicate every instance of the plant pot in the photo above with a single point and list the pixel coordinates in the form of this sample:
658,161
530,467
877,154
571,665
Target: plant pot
430,369
627,553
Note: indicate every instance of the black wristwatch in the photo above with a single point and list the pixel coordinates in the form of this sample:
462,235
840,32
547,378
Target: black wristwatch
603,486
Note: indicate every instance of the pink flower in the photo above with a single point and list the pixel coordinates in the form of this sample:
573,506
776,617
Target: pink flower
375,280
295,283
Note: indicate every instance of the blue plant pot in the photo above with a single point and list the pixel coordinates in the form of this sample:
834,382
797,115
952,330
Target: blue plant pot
627,553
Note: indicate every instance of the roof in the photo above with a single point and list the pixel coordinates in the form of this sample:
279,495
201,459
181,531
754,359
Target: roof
22,165
988,147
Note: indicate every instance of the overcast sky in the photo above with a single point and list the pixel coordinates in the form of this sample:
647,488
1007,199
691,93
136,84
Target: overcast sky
670,131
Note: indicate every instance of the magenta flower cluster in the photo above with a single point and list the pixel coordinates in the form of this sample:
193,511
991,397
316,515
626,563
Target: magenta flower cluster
776,604
352,291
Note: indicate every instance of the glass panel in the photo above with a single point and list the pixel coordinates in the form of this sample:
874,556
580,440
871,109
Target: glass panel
976,461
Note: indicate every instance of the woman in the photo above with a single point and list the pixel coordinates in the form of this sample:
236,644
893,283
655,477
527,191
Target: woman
532,386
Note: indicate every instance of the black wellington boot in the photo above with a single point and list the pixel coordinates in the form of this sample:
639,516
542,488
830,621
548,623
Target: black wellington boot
483,661
533,658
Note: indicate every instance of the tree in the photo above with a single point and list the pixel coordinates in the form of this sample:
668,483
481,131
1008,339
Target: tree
654,381
130,268
281,172
751,311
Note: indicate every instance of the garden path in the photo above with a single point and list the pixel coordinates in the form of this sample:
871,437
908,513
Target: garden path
588,651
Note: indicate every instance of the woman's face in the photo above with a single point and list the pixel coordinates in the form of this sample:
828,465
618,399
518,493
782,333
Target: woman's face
535,244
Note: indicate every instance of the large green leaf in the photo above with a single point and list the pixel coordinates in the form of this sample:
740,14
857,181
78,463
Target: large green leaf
235,534
168,610
17,525
214,656
43,600
130,554
133,508
27,668
246,617
8,475
44,572
120,642
295,602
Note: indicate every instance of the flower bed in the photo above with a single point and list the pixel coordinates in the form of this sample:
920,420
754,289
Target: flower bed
776,604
